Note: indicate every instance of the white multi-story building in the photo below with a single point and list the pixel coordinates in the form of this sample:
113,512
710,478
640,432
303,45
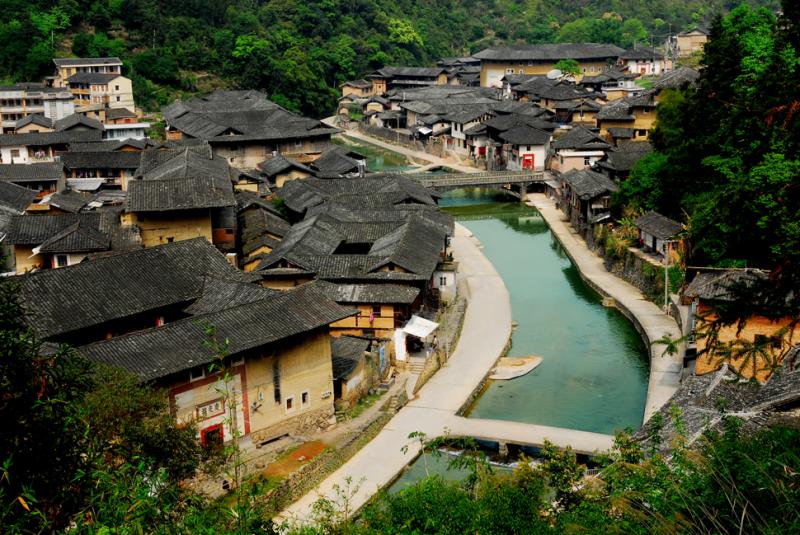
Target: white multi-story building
20,100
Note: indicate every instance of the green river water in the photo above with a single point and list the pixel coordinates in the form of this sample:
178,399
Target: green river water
595,369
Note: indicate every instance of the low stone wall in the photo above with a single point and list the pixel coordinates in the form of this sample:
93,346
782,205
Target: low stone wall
301,424
392,136
311,474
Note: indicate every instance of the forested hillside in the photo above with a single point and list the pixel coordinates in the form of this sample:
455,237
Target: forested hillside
300,50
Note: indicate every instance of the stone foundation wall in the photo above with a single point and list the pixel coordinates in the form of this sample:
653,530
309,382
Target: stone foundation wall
303,423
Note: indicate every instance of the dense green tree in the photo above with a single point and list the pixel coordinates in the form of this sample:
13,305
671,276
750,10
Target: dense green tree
80,441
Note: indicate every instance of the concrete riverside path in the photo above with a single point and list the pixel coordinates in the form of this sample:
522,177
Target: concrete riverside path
484,335
433,161
651,322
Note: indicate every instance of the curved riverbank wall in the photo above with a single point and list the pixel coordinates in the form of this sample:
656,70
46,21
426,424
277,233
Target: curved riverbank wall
648,319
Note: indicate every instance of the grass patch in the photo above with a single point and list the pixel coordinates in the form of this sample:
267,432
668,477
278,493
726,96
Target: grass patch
363,404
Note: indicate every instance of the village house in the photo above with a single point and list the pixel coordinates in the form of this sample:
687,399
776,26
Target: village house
628,118
658,234
389,78
577,148
245,128
586,197
528,88
106,296
59,240
768,335
66,67
14,200
620,160
122,123
691,41
499,61
279,365
42,147
381,307
644,61
351,374
19,101
41,177
182,194
526,148
372,230
561,97
261,228
357,88
338,162
279,169
148,312
96,91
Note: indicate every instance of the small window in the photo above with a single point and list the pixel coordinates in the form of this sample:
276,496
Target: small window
118,99
61,260
587,161
170,239
15,153
195,374
304,399
376,311
442,281
298,144
509,71
116,88
290,404
642,132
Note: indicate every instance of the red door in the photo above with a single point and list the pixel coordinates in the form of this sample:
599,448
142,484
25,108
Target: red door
527,161
212,437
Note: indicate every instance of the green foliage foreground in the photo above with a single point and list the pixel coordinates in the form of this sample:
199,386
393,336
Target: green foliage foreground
732,483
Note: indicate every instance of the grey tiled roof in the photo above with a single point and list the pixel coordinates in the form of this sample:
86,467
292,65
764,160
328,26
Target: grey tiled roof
178,194
76,119
698,400
241,116
279,164
588,184
122,285
346,353
49,138
507,122
180,345
334,162
658,225
101,160
525,135
92,78
580,137
369,293
71,62
422,72
550,52
721,285
625,155
69,201
33,172
15,198
34,118
119,113
677,78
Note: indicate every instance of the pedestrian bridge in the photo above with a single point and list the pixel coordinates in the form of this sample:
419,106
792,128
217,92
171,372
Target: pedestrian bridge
522,434
516,182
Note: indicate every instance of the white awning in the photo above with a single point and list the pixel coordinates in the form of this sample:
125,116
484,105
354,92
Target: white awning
85,184
419,327
424,130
